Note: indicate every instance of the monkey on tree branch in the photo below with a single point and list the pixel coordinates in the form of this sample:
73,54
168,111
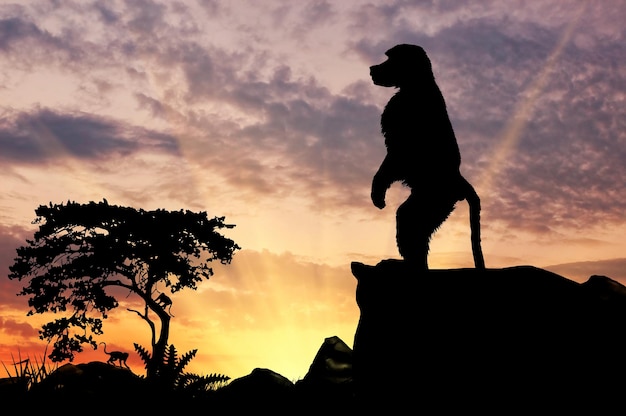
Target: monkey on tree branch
82,253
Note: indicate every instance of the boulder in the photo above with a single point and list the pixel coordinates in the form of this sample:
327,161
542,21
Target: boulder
262,390
94,378
328,383
332,364
496,339
13,388
96,385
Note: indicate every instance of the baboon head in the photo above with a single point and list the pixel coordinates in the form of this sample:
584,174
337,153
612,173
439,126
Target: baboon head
406,65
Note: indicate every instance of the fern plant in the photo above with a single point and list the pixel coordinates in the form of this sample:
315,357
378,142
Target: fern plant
171,375
196,384
172,370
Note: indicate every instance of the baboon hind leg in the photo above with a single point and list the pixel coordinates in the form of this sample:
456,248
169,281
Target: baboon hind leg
416,221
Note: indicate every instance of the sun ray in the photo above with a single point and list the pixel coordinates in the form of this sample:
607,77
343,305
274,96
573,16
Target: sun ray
514,129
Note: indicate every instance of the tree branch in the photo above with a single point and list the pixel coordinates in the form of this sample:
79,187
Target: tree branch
150,323
121,284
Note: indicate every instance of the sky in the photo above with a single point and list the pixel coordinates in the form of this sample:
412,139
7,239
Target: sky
264,112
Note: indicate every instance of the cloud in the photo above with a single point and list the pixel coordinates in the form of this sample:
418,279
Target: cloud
28,45
581,271
43,135
16,31
318,12
265,121
292,119
11,327
146,16
11,237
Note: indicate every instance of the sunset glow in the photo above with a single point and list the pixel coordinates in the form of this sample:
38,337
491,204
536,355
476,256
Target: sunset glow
264,112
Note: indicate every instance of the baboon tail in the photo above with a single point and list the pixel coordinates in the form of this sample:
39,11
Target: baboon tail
474,213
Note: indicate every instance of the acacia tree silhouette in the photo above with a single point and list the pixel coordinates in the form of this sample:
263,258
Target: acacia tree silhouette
82,250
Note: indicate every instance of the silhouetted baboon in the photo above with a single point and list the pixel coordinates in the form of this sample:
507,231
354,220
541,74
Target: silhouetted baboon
423,153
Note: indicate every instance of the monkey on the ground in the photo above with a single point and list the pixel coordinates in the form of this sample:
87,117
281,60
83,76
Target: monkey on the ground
116,356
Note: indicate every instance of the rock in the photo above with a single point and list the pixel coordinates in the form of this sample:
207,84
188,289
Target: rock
88,379
328,383
495,339
97,385
261,390
327,386
332,364
13,388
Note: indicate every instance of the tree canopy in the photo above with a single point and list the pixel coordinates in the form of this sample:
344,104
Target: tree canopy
82,250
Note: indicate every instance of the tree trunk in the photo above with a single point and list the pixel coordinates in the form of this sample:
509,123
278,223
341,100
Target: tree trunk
158,349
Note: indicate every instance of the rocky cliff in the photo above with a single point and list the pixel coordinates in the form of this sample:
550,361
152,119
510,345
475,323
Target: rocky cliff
497,339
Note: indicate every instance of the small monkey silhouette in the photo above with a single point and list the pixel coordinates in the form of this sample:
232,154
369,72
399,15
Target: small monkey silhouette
116,356
165,302
422,152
